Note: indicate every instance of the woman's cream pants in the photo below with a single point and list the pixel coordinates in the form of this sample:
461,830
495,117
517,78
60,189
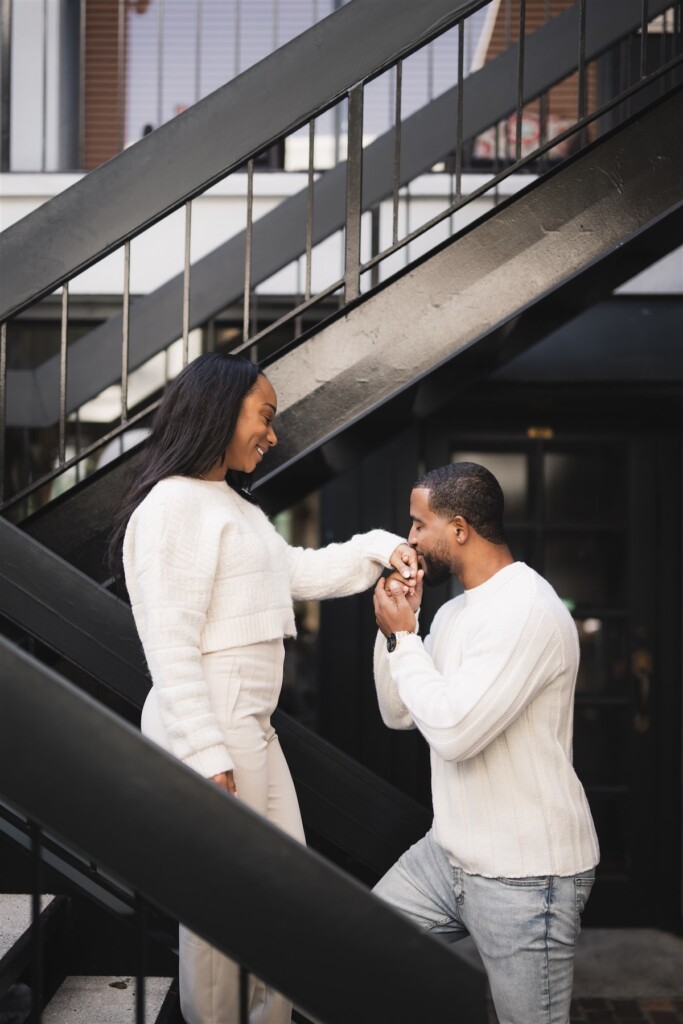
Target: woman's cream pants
244,686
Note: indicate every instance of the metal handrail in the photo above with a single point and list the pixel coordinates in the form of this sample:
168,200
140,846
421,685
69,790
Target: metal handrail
101,212
336,950
355,268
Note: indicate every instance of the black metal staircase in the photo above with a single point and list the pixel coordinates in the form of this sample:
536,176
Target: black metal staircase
392,354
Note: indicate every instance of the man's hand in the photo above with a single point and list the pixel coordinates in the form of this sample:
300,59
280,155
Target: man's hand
226,781
392,610
404,561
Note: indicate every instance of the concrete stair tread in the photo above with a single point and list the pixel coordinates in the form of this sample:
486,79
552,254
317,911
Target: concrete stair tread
15,918
107,1000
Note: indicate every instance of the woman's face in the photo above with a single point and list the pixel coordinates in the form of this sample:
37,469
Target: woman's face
254,434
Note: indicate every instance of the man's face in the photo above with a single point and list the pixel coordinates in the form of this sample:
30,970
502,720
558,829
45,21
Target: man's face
432,537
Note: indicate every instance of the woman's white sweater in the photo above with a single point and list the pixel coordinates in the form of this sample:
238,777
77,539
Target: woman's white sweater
492,689
206,571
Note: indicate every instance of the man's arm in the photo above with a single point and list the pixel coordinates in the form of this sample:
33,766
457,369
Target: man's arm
504,666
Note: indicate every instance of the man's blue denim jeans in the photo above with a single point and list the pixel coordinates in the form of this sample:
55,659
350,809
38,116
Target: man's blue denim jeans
525,929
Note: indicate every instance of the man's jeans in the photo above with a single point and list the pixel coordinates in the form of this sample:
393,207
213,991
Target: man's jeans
523,928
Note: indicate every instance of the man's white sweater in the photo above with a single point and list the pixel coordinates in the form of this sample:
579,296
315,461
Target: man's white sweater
492,689
206,571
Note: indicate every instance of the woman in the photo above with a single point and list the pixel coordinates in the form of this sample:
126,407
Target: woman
211,585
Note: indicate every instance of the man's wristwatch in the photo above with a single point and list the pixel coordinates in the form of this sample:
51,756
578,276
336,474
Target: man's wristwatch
394,639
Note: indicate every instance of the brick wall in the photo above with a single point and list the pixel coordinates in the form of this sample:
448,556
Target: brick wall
562,104
104,81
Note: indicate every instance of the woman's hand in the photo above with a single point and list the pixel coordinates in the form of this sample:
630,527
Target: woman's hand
226,781
404,560
411,589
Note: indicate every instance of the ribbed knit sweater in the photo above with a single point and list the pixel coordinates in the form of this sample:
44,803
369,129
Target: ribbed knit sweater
491,689
206,570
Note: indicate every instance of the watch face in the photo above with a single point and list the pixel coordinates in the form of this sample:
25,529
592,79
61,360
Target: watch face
391,642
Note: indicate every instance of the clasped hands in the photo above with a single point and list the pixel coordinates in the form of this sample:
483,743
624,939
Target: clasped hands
397,597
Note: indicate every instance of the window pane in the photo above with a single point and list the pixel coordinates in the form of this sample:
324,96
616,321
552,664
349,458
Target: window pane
600,736
511,471
605,663
587,570
587,486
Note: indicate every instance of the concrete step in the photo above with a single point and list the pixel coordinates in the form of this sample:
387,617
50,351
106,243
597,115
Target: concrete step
15,918
106,1000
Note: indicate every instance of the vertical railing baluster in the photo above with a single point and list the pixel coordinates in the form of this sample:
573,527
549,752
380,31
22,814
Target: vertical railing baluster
543,108
120,75
125,335
582,69
238,32
276,24
43,154
396,182
643,38
461,100
160,62
309,207
520,79
63,344
354,184
140,978
244,995
197,50
187,269
5,85
3,408
247,250
36,924
81,83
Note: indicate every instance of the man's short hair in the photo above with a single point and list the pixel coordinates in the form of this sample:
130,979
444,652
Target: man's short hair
469,490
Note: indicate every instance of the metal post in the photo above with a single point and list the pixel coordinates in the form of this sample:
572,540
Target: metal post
396,183
198,51
160,62
3,407
520,79
120,77
643,39
141,922
309,207
247,250
62,373
6,85
125,333
43,159
354,179
36,924
244,995
458,140
186,282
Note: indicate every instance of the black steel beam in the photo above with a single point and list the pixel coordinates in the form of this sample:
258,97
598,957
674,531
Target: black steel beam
533,263
205,859
65,610
279,238
364,817
216,135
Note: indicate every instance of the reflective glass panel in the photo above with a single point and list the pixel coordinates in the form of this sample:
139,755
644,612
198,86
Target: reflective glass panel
511,470
587,569
587,486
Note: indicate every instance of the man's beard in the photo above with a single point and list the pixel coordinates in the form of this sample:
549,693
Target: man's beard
437,569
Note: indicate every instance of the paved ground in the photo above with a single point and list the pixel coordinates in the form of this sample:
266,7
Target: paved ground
622,976
628,976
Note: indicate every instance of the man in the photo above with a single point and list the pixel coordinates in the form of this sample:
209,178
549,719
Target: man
511,855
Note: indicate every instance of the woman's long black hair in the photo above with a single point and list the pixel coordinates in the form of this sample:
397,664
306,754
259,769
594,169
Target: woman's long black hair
192,428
